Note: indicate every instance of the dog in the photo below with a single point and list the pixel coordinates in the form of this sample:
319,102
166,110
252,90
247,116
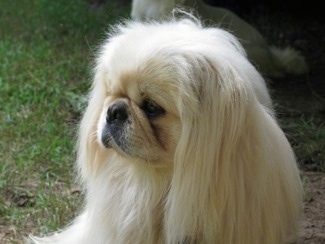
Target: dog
180,144
272,62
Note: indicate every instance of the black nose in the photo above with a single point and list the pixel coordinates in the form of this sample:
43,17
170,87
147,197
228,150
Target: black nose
117,112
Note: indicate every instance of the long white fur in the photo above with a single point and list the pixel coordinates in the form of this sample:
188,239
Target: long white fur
234,178
270,61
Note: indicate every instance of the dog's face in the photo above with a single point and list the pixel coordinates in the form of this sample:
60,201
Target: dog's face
139,117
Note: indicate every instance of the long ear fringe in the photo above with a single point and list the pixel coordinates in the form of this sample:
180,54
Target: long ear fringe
233,168
90,155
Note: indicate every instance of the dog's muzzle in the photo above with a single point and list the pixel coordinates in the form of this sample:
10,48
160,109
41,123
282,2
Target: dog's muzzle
116,119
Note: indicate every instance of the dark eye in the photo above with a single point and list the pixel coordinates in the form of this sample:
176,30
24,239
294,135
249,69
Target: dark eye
152,109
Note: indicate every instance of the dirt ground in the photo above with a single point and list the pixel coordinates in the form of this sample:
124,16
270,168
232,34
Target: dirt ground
313,225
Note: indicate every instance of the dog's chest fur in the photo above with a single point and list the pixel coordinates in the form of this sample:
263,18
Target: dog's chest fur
130,208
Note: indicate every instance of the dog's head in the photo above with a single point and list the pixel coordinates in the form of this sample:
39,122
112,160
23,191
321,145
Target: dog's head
158,87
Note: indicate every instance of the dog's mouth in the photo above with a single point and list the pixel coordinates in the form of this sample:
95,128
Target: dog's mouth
115,140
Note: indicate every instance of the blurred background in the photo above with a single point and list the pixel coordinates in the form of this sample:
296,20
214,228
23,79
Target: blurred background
47,49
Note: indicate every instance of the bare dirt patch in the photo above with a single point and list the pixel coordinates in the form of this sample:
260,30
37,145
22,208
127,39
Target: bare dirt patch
313,225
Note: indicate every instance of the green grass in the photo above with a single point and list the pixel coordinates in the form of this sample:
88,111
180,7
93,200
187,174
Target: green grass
307,137
46,52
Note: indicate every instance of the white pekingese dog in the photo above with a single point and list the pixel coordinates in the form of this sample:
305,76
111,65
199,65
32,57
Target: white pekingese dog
270,61
179,144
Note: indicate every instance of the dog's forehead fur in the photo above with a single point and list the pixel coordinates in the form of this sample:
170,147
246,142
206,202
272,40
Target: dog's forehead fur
141,72
163,60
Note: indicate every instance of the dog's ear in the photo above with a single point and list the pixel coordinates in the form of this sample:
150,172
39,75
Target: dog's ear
231,160
212,113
